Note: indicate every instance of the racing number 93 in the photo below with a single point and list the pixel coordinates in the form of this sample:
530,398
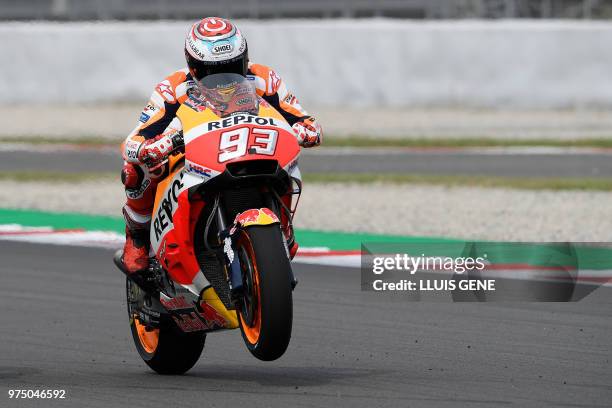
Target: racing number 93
235,143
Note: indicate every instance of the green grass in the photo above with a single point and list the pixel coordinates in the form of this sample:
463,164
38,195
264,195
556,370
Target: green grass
361,141
596,184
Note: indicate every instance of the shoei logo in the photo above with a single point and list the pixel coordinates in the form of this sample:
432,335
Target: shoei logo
222,48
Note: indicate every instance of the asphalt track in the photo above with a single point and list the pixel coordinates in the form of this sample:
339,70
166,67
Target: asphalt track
492,162
64,325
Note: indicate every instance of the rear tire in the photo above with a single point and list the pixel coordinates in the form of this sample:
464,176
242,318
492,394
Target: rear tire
167,350
266,315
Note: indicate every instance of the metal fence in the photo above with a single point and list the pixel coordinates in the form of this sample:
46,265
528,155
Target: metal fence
191,9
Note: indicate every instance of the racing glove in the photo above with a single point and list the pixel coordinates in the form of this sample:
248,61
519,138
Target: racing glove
154,152
308,132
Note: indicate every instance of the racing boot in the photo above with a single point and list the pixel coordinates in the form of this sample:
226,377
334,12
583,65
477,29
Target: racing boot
137,219
135,257
136,260
136,250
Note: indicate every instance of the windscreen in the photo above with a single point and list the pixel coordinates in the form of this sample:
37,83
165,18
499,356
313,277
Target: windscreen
227,94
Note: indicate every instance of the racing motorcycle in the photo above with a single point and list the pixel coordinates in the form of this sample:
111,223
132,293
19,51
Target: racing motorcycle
220,232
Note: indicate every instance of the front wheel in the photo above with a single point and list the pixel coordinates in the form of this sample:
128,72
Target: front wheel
266,313
167,349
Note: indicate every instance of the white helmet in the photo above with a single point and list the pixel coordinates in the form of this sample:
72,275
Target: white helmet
215,45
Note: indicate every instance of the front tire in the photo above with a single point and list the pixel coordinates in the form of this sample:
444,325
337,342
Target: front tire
167,349
266,313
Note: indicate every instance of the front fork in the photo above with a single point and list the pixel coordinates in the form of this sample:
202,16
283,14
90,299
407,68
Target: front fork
227,237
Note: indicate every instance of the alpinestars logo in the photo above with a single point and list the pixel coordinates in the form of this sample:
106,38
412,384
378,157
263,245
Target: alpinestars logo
274,81
165,90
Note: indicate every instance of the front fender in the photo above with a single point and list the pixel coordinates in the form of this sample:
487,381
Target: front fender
256,216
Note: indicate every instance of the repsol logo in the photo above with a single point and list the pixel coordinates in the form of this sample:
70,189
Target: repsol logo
163,218
240,120
222,48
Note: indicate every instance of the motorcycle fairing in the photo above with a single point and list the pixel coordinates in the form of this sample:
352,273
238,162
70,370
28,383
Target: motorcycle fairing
215,312
203,131
191,314
172,229
175,216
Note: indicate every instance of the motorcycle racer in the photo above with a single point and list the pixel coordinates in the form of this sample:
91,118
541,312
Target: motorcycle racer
213,45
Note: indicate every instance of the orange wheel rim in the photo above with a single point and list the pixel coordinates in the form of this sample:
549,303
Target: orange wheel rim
148,339
251,332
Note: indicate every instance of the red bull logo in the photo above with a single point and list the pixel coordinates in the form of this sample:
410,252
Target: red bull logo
261,216
212,318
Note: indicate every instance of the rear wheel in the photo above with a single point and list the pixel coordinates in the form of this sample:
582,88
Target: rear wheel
167,349
266,313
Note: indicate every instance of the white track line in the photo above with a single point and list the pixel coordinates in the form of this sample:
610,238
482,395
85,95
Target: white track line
313,255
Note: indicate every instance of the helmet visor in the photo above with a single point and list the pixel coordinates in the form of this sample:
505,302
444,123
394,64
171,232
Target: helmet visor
229,93
201,69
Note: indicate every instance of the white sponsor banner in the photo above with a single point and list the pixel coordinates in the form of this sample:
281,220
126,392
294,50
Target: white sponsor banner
347,63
